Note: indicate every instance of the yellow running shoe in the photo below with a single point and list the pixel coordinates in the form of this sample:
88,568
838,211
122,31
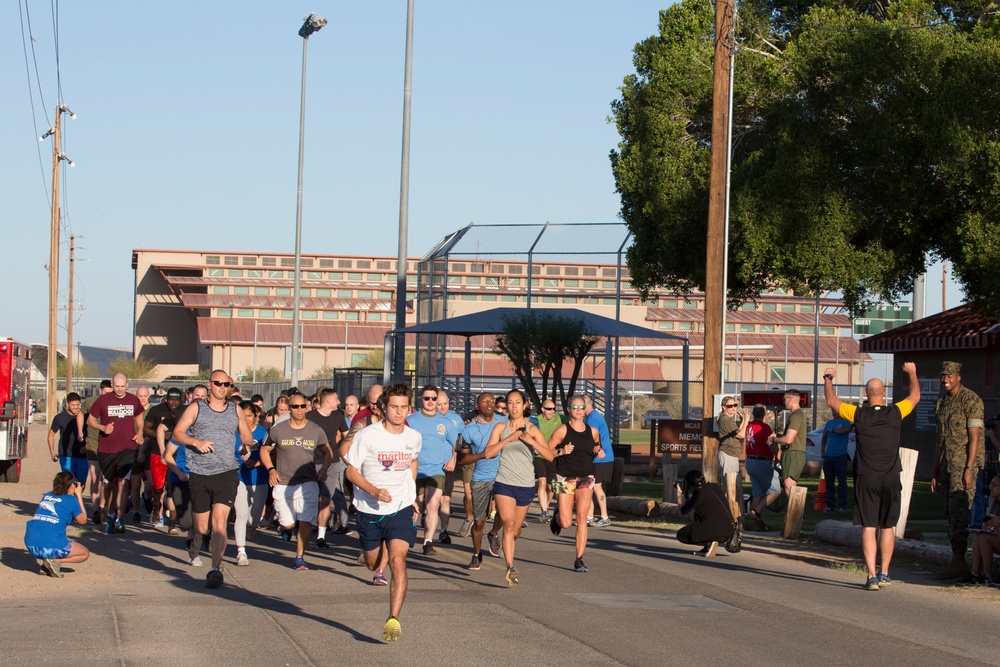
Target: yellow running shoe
511,577
391,630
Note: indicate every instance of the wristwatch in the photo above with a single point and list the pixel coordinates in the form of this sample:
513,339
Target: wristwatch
827,376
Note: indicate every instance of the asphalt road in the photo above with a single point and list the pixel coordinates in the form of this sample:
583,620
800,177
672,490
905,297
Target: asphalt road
646,601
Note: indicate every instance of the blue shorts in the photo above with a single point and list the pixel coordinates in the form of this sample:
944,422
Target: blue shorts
522,495
49,552
80,467
763,477
373,529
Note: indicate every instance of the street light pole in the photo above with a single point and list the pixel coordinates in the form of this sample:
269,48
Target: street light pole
399,347
311,24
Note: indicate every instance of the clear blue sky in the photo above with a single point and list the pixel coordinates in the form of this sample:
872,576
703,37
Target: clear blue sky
187,131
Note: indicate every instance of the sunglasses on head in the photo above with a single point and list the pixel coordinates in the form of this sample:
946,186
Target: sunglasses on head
219,383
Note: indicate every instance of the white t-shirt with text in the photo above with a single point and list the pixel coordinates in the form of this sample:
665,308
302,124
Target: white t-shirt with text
384,460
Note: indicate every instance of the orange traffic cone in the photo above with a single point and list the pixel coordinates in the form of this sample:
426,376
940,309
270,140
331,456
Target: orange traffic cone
819,498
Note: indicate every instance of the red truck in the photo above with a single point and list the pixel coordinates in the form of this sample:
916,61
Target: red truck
15,402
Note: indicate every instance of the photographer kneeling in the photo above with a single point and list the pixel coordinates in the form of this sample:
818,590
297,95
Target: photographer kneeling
713,522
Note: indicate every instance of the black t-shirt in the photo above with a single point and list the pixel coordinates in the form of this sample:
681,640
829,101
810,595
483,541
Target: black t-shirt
877,433
69,443
579,462
161,414
332,425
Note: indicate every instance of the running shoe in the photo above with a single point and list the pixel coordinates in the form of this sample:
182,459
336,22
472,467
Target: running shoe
321,543
161,522
391,630
148,504
110,524
603,521
119,527
97,518
465,529
52,567
512,576
429,549
590,522
214,578
524,524
174,530
194,561
710,549
300,563
476,564
494,541
544,517
361,558
286,535
251,533
136,517
343,530
872,584
444,537
883,580
241,559
969,580
578,566
554,524
379,579
492,516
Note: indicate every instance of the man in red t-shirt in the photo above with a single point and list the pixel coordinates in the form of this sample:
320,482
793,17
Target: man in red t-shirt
764,479
117,416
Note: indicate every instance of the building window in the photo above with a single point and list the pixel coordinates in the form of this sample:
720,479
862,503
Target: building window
473,280
282,291
552,270
326,263
767,328
331,315
266,312
787,329
345,293
609,284
807,330
609,302
730,326
224,312
249,261
468,297
670,303
492,280
390,317
383,265
608,273
788,307
550,299
324,293
571,283
571,271
454,280
488,297
275,274
589,271
244,312
351,316
215,272
534,282
385,294
478,267
514,282
508,298
690,304
411,278
769,307
308,314
365,293
807,308
344,264
314,275
305,291
354,276
241,290
778,374
826,331
569,299
749,305
268,261
551,282
666,326
363,264
592,284
651,303
377,277
262,291
220,289
746,328
515,269
335,275
255,273
229,260
374,317
235,273
685,326
212,259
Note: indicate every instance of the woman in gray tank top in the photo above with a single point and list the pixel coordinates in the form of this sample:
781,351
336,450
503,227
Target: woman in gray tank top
515,441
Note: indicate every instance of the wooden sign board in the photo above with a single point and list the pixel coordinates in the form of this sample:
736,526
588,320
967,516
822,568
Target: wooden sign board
679,436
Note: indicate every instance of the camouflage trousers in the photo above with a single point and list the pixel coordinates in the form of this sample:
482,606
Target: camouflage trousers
957,507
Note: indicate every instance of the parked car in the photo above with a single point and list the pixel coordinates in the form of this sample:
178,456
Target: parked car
647,421
624,418
814,445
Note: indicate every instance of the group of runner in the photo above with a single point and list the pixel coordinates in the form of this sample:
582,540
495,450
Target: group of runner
216,453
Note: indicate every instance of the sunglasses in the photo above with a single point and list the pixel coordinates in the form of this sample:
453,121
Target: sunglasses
297,406
218,383
546,407
428,398
577,407
730,405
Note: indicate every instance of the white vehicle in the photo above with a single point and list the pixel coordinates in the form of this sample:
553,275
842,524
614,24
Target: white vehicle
814,446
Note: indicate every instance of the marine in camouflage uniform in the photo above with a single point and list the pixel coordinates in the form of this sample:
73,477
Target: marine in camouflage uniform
958,459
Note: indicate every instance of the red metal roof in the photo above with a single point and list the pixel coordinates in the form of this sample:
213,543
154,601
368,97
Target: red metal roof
285,302
216,331
957,328
749,317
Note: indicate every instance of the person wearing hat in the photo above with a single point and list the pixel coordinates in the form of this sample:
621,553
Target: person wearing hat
95,476
957,461
170,407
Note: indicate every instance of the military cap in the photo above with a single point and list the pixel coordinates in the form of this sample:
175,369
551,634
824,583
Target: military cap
950,367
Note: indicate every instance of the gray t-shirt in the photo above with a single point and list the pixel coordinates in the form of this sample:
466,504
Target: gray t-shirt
295,450
220,428
517,466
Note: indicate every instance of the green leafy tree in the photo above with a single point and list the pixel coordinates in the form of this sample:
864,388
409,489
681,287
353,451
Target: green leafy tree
864,140
376,358
139,368
539,342
323,372
81,368
200,376
264,374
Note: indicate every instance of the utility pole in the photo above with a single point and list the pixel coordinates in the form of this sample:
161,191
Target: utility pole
69,317
944,287
51,368
715,297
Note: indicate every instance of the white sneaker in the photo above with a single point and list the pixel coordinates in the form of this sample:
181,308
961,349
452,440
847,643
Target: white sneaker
465,529
242,560
195,562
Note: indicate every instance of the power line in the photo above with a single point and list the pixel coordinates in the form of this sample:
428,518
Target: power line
54,6
34,114
34,58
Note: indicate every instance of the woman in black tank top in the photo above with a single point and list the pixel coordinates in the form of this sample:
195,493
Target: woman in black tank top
576,446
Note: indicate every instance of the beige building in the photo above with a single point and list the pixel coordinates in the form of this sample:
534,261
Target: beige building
234,311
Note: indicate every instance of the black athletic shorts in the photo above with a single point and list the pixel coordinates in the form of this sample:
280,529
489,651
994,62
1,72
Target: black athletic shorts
877,501
117,465
543,468
208,490
603,472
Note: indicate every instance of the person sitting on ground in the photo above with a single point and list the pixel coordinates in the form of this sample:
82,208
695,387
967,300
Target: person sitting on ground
712,521
45,534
